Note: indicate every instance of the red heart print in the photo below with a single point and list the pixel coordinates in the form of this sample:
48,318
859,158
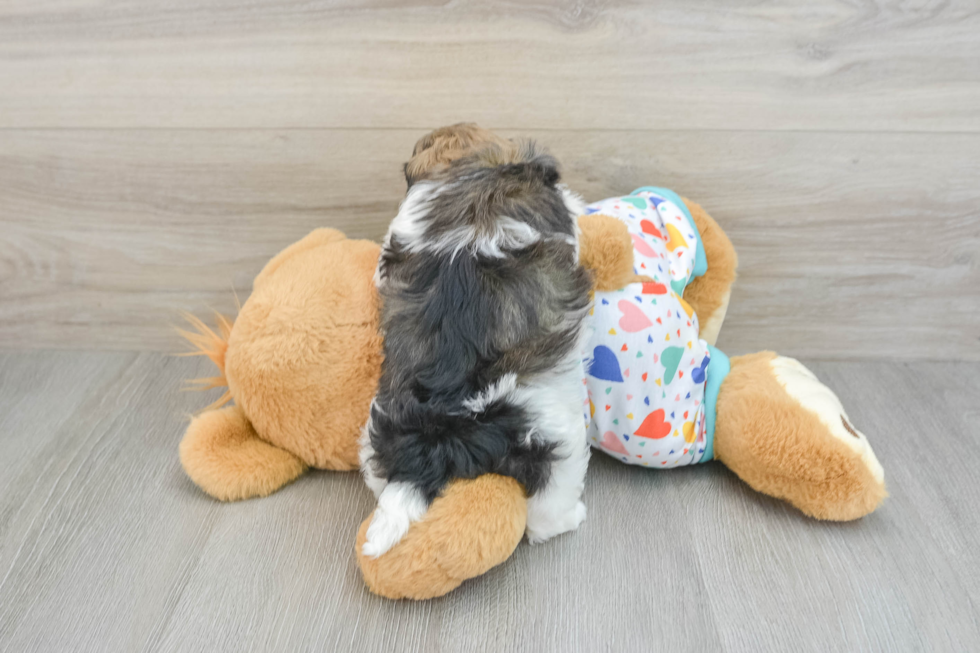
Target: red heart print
654,426
653,288
648,228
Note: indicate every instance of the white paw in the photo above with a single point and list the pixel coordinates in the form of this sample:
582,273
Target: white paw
533,538
398,506
580,513
384,532
569,521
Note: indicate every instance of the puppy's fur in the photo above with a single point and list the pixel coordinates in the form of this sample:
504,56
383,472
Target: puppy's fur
436,150
483,303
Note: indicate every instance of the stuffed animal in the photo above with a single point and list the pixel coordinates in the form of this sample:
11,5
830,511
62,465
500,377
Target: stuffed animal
301,363
302,359
660,395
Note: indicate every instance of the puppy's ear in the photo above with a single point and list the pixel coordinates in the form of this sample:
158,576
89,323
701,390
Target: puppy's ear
529,164
545,167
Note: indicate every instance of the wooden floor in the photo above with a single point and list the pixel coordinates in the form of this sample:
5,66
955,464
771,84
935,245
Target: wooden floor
105,545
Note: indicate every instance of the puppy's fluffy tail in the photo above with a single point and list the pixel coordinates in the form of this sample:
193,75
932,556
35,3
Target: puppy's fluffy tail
206,342
398,506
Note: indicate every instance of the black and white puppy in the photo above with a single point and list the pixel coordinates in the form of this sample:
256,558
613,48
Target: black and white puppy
483,301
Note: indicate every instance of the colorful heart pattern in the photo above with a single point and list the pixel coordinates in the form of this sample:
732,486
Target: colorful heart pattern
648,366
633,318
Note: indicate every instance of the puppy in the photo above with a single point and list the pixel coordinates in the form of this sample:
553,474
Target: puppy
483,301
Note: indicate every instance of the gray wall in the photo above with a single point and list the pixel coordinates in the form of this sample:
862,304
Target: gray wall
154,155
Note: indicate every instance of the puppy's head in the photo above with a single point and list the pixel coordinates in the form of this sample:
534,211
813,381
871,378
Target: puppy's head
436,150
500,196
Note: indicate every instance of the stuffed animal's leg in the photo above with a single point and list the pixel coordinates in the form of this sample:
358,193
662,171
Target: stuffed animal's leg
226,458
474,526
709,294
787,435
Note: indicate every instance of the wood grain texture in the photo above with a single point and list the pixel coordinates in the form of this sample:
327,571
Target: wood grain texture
851,245
803,65
106,545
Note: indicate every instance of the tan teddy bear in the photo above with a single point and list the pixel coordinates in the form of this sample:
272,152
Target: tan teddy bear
302,359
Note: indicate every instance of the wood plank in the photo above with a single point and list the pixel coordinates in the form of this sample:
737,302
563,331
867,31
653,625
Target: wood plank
105,545
851,245
673,64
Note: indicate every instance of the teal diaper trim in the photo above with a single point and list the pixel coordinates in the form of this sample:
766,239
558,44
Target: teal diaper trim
700,259
718,369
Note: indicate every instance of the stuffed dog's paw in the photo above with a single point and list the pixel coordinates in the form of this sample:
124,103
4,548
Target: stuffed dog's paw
474,526
787,435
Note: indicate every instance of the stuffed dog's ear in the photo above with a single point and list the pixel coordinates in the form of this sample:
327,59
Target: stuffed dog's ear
436,150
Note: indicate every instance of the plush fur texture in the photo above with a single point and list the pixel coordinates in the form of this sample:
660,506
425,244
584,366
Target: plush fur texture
474,526
304,355
213,345
226,458
301,362
708,295
607,250
483,301
782,449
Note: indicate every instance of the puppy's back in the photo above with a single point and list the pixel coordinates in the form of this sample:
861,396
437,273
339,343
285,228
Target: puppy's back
480,288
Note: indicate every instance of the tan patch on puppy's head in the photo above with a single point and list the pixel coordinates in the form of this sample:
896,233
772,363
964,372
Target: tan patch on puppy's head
436,150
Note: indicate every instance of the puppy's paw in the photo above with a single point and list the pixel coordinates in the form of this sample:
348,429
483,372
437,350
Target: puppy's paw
398,506
384,532
569,521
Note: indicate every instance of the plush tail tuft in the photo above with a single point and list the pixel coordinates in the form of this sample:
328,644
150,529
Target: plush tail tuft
206,342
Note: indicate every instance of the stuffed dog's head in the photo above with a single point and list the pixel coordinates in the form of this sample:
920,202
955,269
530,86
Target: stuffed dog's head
436,150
